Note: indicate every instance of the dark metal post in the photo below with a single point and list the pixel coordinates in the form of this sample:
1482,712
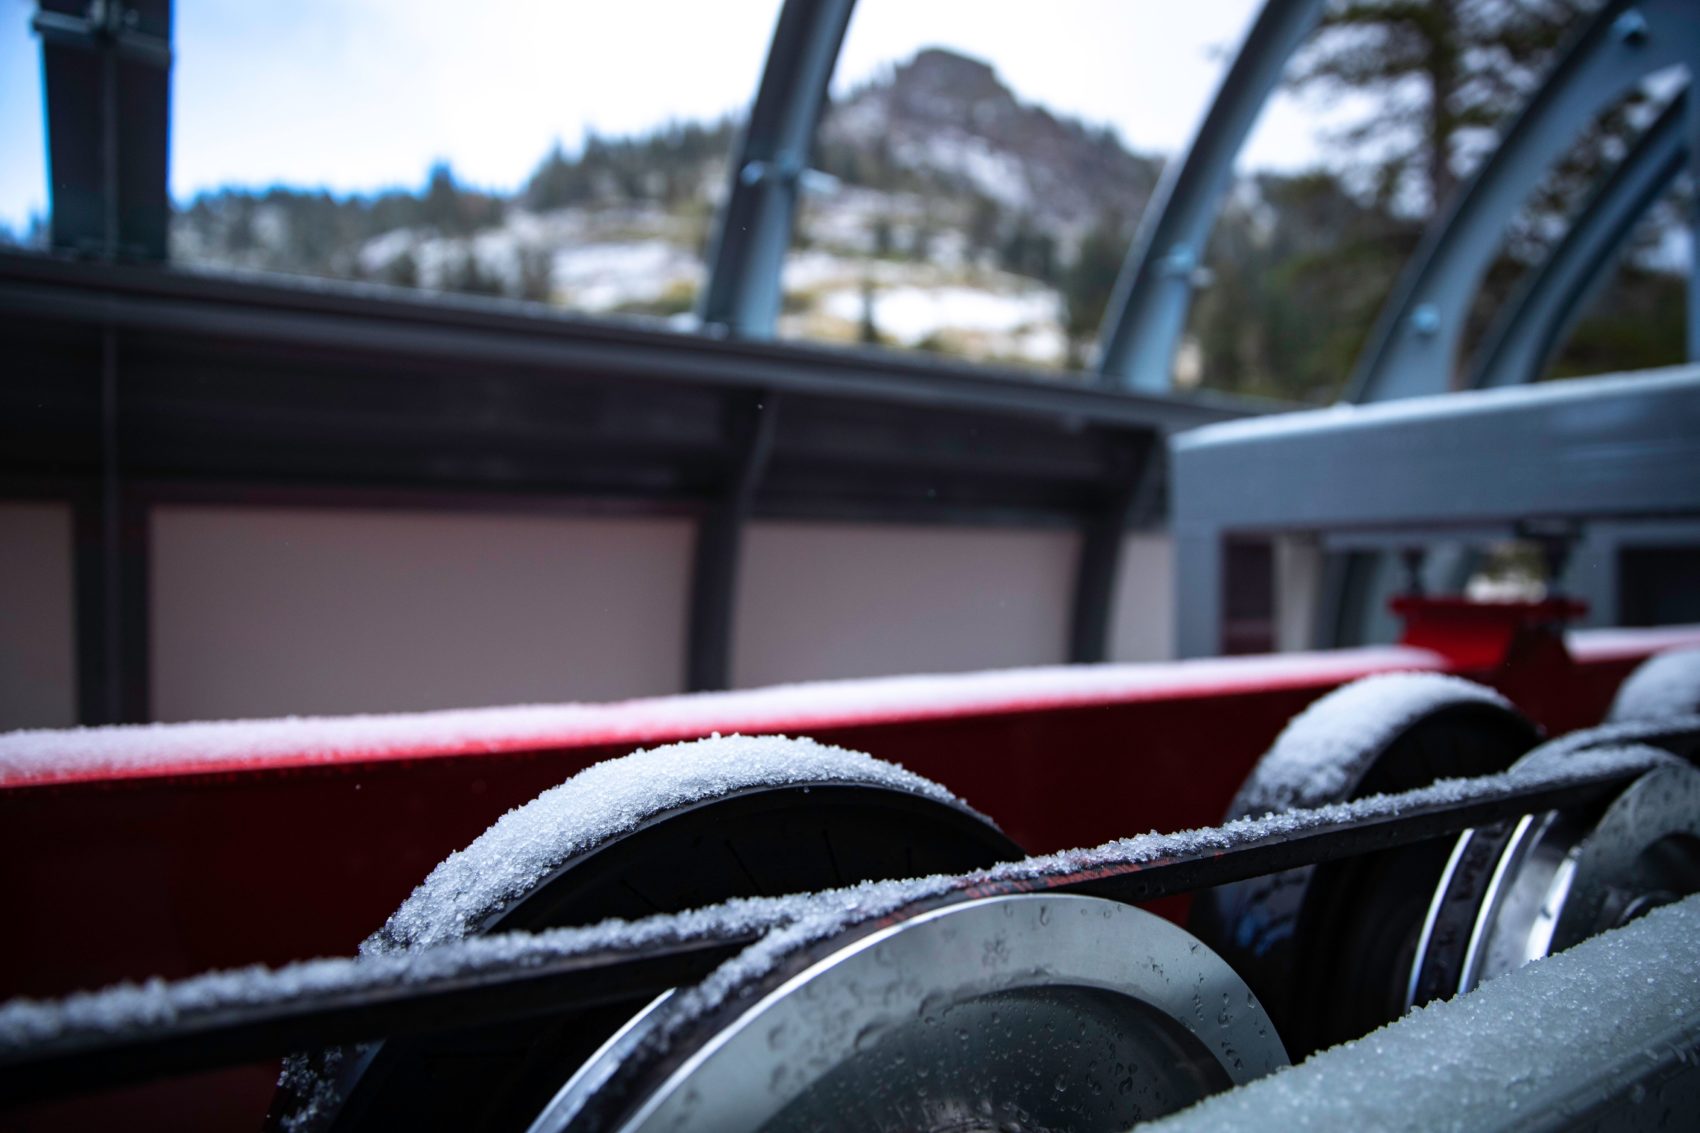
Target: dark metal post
1133,498
720,539
111,576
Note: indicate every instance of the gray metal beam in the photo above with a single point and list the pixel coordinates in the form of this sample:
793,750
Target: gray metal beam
496,338
1414,345
1533,324
1147,311
743,291
1619,448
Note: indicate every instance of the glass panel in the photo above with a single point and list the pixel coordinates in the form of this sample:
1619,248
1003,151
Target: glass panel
988,162
23,145
560,152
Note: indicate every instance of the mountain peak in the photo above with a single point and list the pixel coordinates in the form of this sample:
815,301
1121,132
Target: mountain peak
958,78
948,117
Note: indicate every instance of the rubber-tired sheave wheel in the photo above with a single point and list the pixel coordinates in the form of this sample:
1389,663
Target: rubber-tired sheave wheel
1664,686
1328,948
1523,889
657,831
1031,1012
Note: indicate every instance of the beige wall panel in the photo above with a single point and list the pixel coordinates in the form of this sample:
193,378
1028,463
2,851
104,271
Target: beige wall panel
821,600
1143,625
38,677
260,612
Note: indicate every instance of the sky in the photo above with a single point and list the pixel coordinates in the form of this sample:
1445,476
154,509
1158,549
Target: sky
358,95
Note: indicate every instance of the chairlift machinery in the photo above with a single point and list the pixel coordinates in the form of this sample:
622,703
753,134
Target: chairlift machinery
699,924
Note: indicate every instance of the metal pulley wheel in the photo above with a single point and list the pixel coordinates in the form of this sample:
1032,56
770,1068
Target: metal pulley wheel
1033,1012
1518,891
658,831
1328,948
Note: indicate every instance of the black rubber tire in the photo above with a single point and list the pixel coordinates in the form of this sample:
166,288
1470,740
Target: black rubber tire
1663,687
747,842
1328,949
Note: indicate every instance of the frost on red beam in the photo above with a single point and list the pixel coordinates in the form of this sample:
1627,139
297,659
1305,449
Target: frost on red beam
45,756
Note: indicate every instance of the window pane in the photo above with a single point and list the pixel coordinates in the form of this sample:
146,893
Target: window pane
23,146
570,153
988,162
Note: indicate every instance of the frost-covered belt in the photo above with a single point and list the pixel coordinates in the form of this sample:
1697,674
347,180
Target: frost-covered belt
135,1031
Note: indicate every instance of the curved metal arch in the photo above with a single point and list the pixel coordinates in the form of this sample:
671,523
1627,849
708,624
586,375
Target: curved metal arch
1148,308
1415,340
742,295
1528,332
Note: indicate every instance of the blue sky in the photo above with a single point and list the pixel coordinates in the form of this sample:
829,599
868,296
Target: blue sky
356,95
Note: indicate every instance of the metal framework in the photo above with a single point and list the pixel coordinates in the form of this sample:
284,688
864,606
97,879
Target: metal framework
106,75
1532,327
1414,346
1614,448
107,69
742,297
1147,311
128,385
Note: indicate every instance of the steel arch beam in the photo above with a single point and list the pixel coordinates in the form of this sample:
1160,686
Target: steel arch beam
742,294
1533,325
1148,309
1415,341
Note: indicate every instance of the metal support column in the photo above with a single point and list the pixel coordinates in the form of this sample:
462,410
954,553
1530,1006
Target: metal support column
1147,311
106,67
1106,530
743,290
720,539
111,587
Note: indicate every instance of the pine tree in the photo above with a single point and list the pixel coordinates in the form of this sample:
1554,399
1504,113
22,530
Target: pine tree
1442,74
1087,283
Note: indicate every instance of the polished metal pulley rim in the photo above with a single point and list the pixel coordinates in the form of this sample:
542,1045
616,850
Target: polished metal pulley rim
1029,1011
1524,890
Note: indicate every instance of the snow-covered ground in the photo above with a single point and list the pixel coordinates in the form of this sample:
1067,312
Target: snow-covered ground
923,288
